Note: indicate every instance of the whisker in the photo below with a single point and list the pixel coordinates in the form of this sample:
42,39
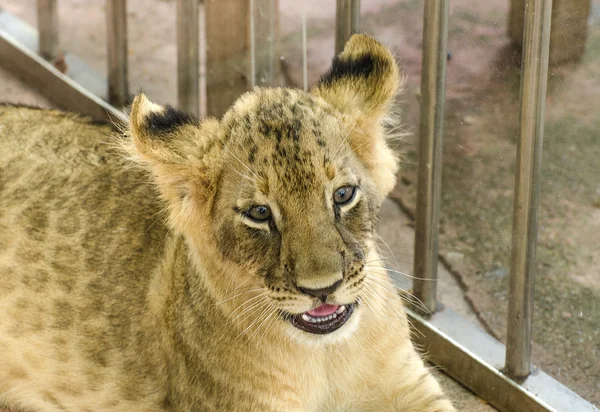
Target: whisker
388,247
261,298
412,329
371,290
264,312
260,309
344,140
399,273
242,163
161,214
256,307
262,323
228,290
244,176
239,294
411,299
384,259
271,322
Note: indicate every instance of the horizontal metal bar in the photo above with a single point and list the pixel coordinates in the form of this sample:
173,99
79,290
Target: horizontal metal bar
534,74
116,33
77,69
431,128
47,22
475,359
20,58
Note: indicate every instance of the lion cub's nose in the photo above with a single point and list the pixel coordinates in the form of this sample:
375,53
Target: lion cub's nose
322,292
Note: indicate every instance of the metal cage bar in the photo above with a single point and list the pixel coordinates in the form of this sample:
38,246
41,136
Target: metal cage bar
188,56
252,39
534,74
271,77
431,125
47,21
116,33
347,22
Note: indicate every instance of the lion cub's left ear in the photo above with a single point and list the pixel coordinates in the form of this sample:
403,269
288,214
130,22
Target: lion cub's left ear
363,77
362,83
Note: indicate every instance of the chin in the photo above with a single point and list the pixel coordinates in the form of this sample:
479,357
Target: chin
336,336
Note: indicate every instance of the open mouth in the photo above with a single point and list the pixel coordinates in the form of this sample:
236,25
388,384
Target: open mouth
323,319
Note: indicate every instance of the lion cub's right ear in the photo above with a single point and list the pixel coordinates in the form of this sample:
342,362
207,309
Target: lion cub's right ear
172,145
364,77
163,134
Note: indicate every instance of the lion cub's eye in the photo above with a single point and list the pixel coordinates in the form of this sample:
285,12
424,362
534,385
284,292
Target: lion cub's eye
259,213
344,195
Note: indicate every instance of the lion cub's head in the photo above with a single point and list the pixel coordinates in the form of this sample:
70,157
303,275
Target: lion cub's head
284,191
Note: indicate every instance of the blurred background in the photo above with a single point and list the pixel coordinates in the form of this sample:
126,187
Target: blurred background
480,135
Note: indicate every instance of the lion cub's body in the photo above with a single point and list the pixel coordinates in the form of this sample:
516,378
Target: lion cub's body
105,307
76,261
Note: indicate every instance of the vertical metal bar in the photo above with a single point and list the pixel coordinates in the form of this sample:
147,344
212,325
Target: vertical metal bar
536,40
252,45
116,31
202,60
47,20
429,180
263,38
188,56
355,23
272,37
304,55
347,22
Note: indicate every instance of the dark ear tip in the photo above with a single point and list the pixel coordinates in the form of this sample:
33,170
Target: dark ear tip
168,120
151,119
362,57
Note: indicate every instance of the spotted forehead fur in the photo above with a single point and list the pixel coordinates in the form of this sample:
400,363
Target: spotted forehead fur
285,130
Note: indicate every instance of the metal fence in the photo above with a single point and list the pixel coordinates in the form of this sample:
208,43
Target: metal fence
499,374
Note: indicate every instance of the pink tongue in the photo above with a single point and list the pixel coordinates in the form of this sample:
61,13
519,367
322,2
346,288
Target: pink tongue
323,310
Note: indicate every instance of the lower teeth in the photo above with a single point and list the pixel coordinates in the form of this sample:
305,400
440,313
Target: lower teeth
312,319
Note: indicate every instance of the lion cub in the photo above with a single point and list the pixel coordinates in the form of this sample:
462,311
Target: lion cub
233,270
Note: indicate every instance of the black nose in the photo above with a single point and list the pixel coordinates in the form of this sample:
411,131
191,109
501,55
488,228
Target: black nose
321,293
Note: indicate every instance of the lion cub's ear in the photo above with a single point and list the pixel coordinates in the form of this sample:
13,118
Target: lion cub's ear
163,134
362,84
172,145
363,77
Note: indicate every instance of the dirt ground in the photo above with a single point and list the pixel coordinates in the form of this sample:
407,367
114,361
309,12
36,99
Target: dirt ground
479,150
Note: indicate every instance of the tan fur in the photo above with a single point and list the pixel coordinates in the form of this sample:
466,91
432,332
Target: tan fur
147,289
